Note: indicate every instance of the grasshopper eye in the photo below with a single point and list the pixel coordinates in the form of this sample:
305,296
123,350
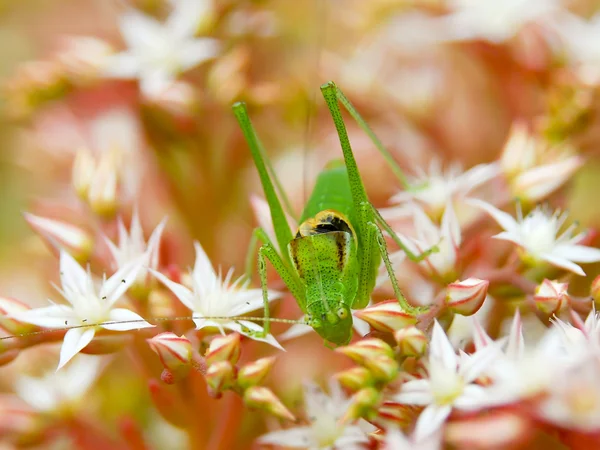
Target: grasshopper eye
342,313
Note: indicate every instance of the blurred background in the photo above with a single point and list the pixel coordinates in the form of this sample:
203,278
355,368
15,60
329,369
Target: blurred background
430,88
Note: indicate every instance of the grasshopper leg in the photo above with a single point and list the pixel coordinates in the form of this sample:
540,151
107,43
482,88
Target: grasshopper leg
406,306
410,255
268,252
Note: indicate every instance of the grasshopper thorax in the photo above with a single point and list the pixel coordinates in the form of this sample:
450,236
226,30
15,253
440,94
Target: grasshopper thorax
324,254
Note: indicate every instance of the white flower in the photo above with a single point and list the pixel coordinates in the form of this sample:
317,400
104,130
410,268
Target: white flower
574,401
58,389
435,188
495,21
580,340
158,52
582,41
213,296
446,237
538,234
533,168
88,306
451,383
132,245
325,430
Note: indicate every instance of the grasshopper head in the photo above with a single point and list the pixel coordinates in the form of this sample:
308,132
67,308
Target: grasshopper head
333,326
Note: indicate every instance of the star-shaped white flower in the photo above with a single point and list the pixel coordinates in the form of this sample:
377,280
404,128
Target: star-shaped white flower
435,188
325,430
158,52
447,238
451,383
214,296
88,306
539,235
132,246
66,387
495,21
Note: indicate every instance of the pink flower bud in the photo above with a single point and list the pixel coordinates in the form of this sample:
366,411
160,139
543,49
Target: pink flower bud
382,367
224,348
355,378
466,297
220,376
175,352
386,316
263,398
58,234
255,372
366,349
411,341
9,306
500,429
396,414
363,404
551,296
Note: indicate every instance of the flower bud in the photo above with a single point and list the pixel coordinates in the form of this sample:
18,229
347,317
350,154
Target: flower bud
366,349
386,316
466,297
220,376
102,195
362,405
355,378
8,307
263,398
59,234
175,352
255,372
411,341
382,367
224,348
551,296
395,414
84,168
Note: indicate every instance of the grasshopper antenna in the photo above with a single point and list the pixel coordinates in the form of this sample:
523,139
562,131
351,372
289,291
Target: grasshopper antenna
320,36
154,319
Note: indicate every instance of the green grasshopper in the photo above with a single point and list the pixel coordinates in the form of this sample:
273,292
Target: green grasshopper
331,263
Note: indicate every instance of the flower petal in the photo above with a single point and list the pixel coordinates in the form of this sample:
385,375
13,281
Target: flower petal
295,331
73,277
140,30
128,320
441,348
114,288
562,263
204,274
184,295
505,220
430,420
415,392
298,437
242,327
197,51
577,253
122,65
53,316
75,340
